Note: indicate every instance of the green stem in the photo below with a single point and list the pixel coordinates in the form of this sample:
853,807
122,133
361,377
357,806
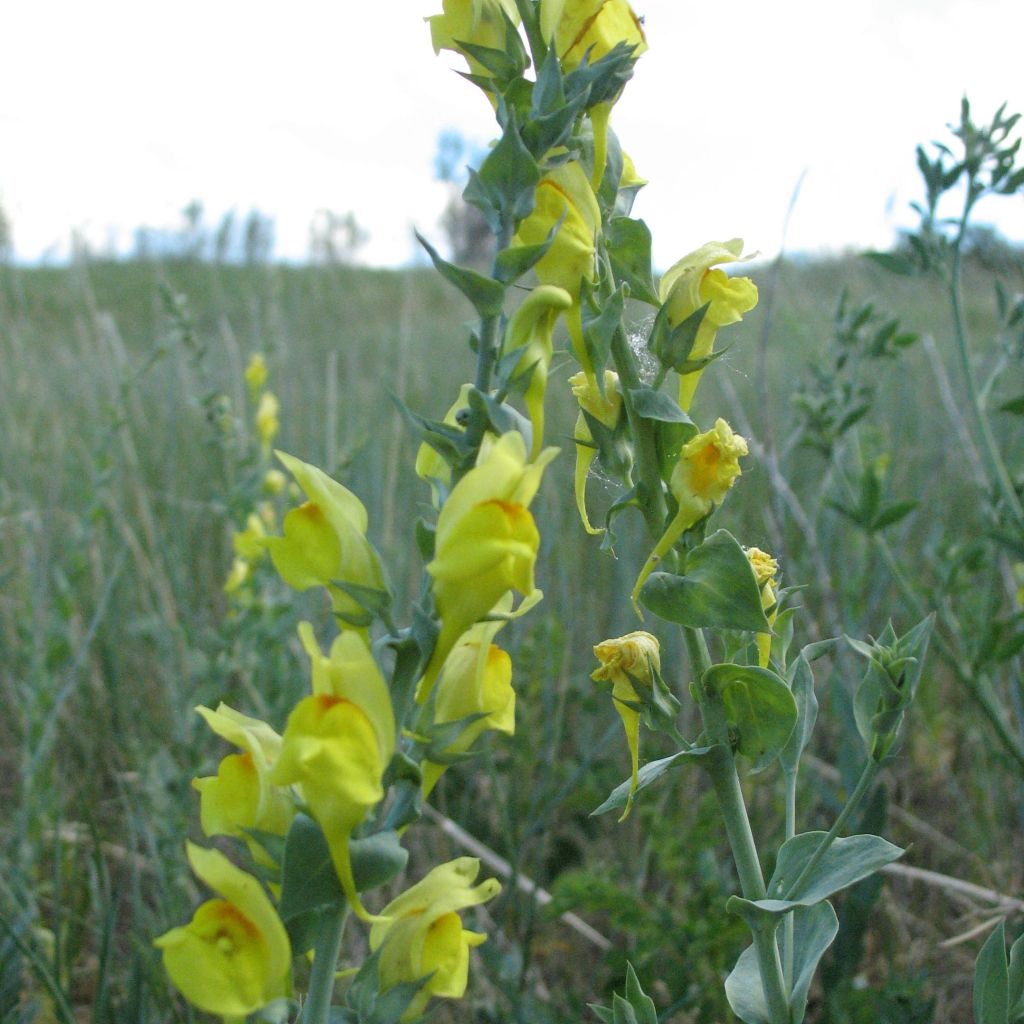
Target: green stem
317,1008
721,767
488,351
789,923
863,785
997,468
653,506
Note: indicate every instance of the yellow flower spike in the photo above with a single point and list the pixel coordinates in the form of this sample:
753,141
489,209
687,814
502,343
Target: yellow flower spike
325,539
241,569
421,933
430,466
530,329
248,543
486,542
330,748
267,422
565,192
708,466
234,957
240,796
256,375
274,482
594,25
477,679
765,567
480,22
605,409
692,283
625,661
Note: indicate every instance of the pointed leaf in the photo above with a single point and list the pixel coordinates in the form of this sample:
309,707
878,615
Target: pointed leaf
656,405
991,981
629,248
846,861
486,294
806,715
650,772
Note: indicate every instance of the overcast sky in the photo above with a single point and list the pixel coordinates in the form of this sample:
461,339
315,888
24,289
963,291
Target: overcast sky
115,114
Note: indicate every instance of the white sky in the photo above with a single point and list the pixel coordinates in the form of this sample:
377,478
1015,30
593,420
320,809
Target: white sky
116,113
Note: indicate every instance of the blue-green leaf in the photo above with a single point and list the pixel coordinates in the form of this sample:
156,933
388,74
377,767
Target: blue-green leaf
991,981
758,706
717,589
650,772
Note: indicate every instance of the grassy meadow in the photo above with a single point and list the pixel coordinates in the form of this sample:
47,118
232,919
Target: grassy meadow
127,458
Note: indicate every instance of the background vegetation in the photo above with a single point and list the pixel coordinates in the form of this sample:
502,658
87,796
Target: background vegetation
127,459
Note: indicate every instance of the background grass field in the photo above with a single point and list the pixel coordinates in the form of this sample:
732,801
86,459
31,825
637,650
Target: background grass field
126,459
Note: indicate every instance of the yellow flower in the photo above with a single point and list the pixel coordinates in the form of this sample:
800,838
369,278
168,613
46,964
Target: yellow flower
692,283
421,933
338,743
238,576
708,466
233,957
626,661
267,423
765,567
565,192
249,543
430,466
324,539
274,481
256,375
603,408
477,680
486,542
530,329
479,22
240,796
594,25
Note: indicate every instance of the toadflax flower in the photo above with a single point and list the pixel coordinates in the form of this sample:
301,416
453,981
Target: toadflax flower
692,283
605,409
324,540
564,195
476,680
530,330
591,29
338,743
240,796
420,934
478,22
233,957
708,466
486,543
765,567
629,661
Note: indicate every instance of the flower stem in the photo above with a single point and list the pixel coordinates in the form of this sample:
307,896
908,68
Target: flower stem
789,923
317,1008
867,776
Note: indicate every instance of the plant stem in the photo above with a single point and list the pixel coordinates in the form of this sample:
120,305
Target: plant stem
721,766
652,504
867,776
996,465
487,352
317,1008
789,923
